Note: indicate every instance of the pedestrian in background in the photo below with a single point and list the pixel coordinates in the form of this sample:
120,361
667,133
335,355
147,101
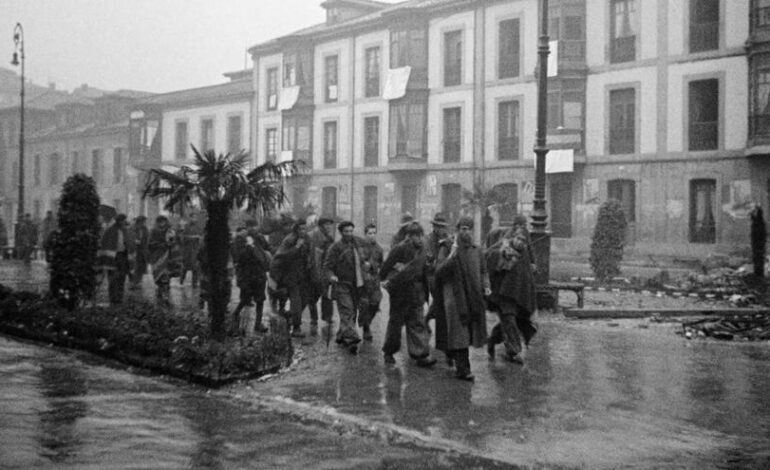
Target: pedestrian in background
406,220
189,243
48,228
321,238
370,302
440,233
115,257
461,276
403,273
251,256
292,269
161,246
510,263
141,236
27,238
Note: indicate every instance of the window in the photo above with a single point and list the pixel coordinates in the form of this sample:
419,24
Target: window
507,195
207,134
508,52
451,201
271,145
453,58
297,69
409,199
704,115
408,128
330,144
296,136
760,83
75,162
96,166
409,47
289,72
452,133
37,209
624,191
370,205
181,139
329,201
36,171
702,210
234,135
623,28
704,25
371,141
762,14
508,130
54,169
117,165
372,72
622,121
565,104
331,72
271,91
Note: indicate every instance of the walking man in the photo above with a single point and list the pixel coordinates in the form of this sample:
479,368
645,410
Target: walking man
292,269
370,302
115,255
141,236
190,242
461,276
510,264
439,234
27,238
251,256
321,238
161,245
49,227
403,273
344,267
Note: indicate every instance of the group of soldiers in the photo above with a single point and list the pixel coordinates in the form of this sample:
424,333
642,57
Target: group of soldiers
299,269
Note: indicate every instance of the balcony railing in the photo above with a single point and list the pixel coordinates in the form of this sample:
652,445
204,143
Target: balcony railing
704,36
622,140
623,49
508,148
704,135
451,151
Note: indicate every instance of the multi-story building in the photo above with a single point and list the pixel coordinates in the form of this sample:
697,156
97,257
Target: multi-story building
650,106
164,126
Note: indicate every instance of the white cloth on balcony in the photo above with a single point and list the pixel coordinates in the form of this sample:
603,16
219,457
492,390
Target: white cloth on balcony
288,97
395,83
559,161
287,155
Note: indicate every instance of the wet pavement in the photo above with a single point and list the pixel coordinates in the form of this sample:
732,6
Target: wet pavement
598,394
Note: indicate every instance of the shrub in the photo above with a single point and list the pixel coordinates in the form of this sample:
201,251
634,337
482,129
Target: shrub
608,240
74,244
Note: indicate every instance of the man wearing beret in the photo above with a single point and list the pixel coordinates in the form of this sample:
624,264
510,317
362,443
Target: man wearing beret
345,268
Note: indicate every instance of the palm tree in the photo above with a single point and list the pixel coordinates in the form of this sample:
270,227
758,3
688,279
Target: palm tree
485,199
220,183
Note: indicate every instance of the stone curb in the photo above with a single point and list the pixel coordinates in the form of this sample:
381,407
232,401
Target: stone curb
385,432
614,313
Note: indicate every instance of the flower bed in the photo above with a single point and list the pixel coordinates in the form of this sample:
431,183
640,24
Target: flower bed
145,335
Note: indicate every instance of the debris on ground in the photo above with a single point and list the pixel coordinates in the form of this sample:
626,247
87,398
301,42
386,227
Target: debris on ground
750,327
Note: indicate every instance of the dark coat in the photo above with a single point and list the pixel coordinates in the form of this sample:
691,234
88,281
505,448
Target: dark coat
340,261
190,242
516,284
141,236
456,327
321,243
108,247
409,285
374,256
293,265
251,261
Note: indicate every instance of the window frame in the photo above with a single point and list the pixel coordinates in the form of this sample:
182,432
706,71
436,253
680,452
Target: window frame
451,147
203,138
688,115
230,140
331,77
271,157
616,53
372,74
410,105
501,62
516,101
329,193
611,122
371,152
117,165
710,31
330,145
711,235
271,88
180,145
452,45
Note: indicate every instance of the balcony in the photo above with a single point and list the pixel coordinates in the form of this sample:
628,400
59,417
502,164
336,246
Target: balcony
704,135
623,49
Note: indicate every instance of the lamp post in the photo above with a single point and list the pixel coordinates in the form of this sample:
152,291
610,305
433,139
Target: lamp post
541,237
18,58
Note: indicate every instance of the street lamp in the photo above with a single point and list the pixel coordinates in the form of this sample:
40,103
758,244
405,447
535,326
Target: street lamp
18,58
541,237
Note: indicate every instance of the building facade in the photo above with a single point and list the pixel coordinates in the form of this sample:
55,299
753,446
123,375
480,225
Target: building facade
406,107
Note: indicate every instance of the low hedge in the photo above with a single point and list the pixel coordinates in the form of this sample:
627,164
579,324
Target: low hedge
148,336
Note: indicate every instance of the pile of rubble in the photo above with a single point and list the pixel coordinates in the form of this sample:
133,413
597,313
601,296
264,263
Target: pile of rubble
750,327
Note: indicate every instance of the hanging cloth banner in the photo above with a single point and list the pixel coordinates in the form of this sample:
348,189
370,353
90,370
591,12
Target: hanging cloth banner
288,97
395,83
559,161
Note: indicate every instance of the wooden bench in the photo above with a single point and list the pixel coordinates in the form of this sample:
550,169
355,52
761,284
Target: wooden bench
548,294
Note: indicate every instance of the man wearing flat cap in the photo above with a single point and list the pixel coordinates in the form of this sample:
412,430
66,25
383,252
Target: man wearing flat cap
321,238
461,275
439,234
345,268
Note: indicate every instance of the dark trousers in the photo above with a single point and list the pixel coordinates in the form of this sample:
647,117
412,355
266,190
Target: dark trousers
251,293
409,314
461,358
515,324
327,309
117,278
347,304
298,298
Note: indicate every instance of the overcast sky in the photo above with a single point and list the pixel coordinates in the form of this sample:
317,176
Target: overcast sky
147,45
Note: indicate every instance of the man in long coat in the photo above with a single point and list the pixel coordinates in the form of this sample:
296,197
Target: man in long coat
115,256
49,227
292,269
190,241
163,254
251,255
370,302
510,263
403,273
27,238
321,238
435,238
461,276
344,268
141,237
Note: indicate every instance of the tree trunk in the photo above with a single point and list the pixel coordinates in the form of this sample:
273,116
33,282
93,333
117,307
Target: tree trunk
217,242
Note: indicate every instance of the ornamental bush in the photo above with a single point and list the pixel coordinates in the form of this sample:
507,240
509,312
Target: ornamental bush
74,244
608,240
